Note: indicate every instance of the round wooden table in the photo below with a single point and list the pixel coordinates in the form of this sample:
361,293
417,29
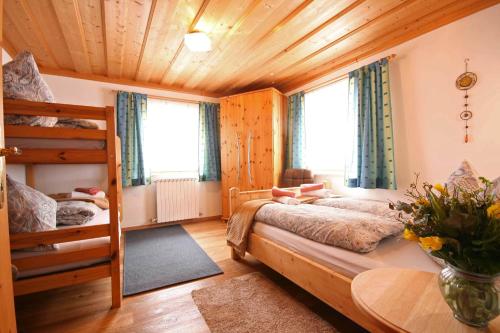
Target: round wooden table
405,300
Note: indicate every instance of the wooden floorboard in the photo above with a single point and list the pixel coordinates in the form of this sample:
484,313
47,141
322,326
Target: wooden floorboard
86,308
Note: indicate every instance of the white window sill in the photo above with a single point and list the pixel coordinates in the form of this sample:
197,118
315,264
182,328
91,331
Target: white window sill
156,176
328,173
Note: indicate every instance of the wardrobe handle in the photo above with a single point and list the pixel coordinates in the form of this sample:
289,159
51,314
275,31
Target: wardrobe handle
238,158
249,142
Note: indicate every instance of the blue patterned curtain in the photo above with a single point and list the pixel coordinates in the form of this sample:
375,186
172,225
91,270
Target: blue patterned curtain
295,141
131,110
371,164
209,142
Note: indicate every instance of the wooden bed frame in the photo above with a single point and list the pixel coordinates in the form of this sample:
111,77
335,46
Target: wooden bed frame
328,285
109,155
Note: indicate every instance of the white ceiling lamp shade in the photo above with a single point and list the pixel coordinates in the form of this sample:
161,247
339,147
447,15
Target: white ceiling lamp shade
198,41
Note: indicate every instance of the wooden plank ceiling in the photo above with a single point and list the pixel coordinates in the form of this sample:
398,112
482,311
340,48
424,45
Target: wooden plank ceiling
256,44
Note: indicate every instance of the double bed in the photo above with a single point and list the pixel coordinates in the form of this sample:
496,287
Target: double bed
325,271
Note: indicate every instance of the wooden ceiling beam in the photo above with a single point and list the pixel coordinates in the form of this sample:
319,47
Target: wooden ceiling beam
146,36
104,38
436,19
128,82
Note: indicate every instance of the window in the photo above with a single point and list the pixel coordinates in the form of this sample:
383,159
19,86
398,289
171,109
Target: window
325,126
171,139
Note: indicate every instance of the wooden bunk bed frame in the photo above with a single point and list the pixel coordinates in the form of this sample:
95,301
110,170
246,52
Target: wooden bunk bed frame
330,286
109,155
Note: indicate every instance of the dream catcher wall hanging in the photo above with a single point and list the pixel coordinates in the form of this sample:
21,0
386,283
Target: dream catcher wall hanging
466,81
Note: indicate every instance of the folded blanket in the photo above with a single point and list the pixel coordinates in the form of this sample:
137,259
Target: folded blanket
75,212
240,224
348,229
76,123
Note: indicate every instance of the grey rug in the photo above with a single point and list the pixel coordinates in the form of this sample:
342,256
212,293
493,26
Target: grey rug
160,257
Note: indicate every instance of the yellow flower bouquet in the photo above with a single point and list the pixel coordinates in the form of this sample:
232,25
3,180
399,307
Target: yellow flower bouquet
461,227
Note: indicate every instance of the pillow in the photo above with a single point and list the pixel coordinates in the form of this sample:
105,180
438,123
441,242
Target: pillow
304,188
277,192
29,209
287,200
22,80
464,177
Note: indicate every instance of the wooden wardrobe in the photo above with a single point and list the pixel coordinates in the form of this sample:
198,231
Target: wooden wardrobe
252,137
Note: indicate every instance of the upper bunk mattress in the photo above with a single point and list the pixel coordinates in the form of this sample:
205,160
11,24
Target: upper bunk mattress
391,252
102,217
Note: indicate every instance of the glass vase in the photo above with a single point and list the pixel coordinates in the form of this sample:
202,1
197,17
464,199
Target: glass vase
473,298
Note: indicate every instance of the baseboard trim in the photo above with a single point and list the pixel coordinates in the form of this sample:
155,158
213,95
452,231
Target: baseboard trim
164,224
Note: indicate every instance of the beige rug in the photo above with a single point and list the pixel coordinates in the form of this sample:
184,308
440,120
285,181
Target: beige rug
253,303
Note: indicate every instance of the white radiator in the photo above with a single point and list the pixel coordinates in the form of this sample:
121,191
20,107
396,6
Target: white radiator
177,199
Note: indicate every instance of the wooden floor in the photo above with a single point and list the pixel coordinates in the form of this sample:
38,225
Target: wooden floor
86,308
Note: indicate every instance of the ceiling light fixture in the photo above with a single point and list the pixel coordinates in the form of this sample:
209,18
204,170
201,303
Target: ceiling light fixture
198,41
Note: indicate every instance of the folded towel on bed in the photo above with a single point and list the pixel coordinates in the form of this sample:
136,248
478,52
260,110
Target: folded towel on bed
75,212
88,190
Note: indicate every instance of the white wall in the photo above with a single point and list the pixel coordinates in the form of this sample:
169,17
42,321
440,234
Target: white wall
138,202
429,136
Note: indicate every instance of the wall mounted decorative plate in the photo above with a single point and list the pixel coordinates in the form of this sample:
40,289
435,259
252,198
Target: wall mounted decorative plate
466,81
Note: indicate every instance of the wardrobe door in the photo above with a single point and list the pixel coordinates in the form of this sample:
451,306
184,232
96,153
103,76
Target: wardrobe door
231,148
258,136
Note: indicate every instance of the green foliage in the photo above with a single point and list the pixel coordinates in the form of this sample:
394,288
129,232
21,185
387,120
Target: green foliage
467,222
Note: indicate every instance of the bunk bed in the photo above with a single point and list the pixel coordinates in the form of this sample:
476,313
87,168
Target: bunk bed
102,259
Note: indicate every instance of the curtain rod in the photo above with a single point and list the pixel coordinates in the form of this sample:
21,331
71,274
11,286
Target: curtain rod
172,99
338,78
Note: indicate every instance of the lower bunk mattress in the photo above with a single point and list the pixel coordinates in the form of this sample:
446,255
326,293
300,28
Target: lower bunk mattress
391,252
101,218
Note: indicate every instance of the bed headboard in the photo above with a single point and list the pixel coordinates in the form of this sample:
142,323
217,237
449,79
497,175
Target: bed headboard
237,197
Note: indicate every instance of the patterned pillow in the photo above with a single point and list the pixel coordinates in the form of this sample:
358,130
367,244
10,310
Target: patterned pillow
22,80
464,177
29,209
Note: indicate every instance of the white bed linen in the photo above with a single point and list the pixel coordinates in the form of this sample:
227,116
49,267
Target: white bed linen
101,218
391,252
